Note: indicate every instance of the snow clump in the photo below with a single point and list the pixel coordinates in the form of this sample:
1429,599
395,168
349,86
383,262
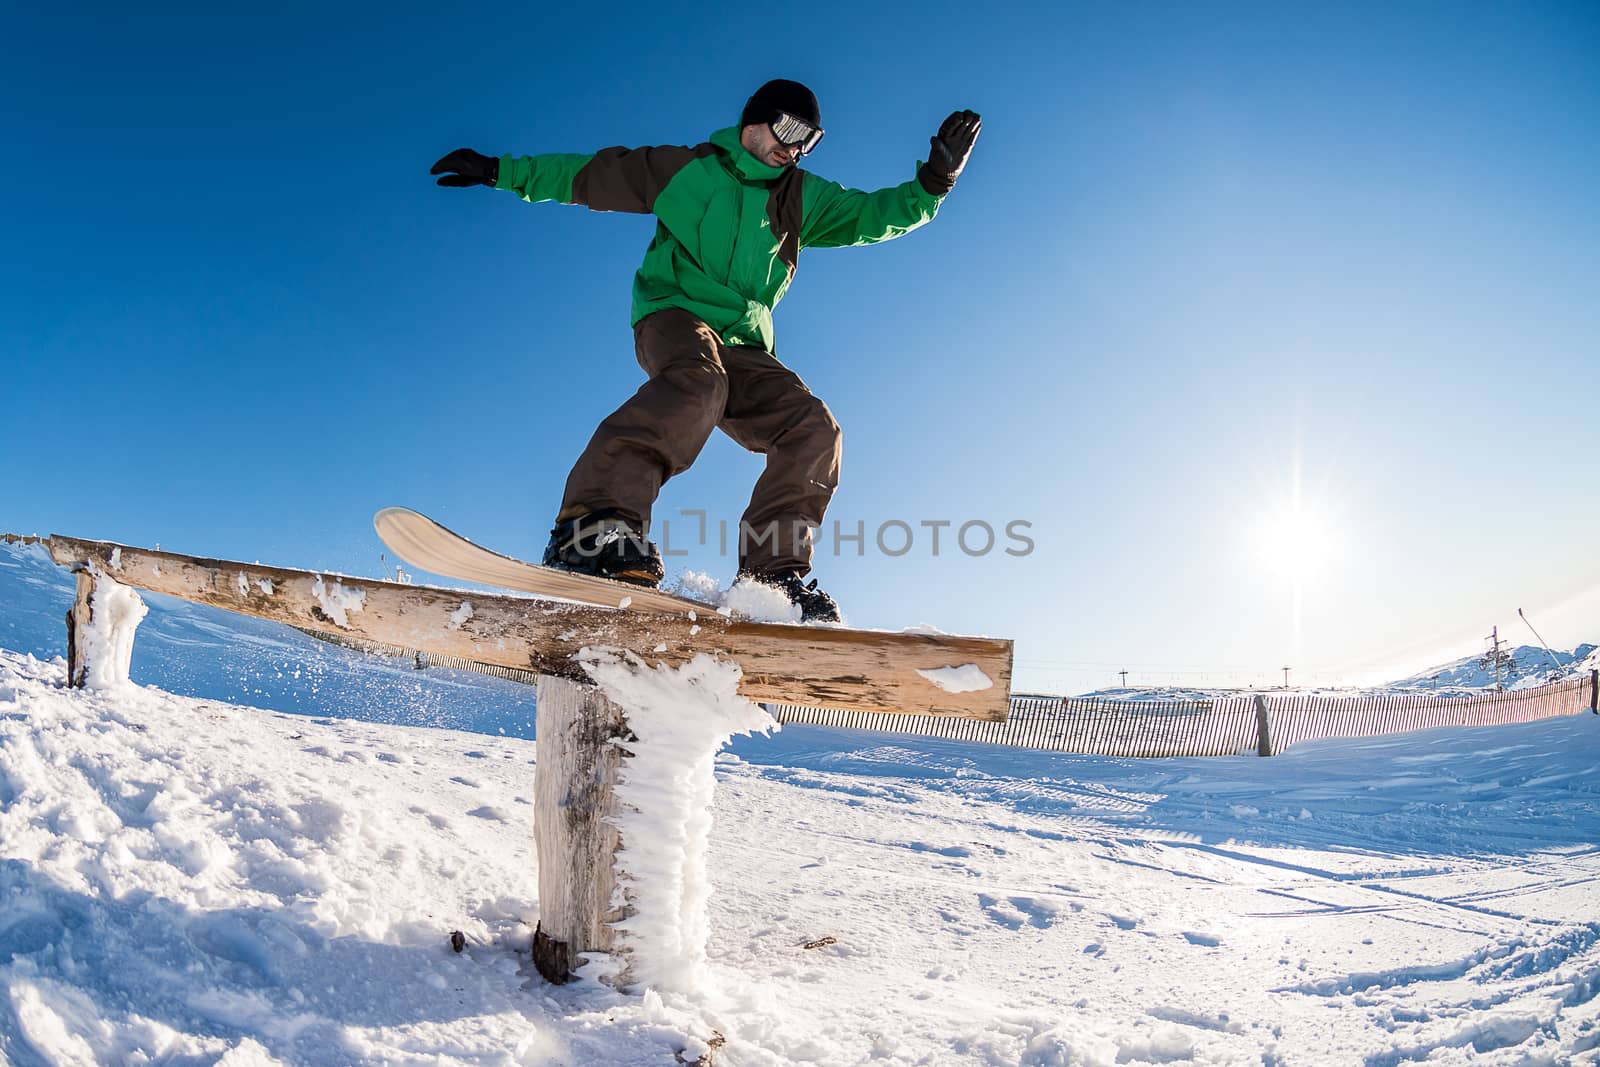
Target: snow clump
115,612
678,720
760,602
338,602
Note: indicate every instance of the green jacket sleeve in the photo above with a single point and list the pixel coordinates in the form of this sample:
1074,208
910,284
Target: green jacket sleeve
539,178
835,216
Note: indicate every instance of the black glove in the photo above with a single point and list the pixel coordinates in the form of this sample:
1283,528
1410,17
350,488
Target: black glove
948,151
469,167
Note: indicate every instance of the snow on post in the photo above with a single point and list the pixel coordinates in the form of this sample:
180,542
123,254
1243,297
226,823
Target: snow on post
671,724
100,628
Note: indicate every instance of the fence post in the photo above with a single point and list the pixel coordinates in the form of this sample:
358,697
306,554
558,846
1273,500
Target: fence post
1594,692
1263,734
100,628
575,778
78,618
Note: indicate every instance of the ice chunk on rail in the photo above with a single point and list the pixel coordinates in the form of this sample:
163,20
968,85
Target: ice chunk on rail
967,678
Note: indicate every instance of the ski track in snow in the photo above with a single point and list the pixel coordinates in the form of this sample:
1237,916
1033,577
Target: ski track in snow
189,881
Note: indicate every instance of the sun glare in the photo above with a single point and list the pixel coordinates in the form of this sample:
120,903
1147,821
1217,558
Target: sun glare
1295,542
1294,545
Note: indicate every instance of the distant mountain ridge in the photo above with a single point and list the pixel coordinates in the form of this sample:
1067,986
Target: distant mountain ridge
1524,666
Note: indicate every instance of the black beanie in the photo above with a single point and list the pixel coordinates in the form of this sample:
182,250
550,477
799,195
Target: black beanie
778,95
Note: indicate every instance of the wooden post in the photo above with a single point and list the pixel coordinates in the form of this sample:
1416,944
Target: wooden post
1594,691
78,617
575,777
1263,732
100,629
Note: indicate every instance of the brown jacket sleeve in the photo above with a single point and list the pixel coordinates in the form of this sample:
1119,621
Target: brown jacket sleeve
630,179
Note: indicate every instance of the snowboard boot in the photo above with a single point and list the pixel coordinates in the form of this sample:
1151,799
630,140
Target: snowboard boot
605,546
815,605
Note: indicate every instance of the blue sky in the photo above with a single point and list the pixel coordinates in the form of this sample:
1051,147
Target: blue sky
1202,254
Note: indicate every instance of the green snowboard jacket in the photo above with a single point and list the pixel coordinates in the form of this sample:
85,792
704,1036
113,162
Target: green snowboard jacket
729,227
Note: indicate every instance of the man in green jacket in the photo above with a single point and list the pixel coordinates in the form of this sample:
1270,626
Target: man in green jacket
732,216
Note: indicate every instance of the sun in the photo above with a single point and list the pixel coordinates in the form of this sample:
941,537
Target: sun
1295,541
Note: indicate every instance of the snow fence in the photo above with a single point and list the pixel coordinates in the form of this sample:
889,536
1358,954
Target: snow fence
1255,724
1246,724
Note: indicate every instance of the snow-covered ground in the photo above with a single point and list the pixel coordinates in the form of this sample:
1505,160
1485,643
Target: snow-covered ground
191,880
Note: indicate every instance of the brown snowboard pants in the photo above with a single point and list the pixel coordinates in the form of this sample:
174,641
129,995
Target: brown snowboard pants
698,382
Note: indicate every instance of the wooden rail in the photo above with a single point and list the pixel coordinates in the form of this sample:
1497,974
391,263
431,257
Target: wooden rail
854,670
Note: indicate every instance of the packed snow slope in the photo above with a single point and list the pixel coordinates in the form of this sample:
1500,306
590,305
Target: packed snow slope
185,880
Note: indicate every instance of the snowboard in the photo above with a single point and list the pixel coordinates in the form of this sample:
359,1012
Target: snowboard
430,546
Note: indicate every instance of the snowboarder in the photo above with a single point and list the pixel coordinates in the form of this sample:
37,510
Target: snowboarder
732,216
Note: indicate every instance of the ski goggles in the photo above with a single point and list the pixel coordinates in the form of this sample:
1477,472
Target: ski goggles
796,133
